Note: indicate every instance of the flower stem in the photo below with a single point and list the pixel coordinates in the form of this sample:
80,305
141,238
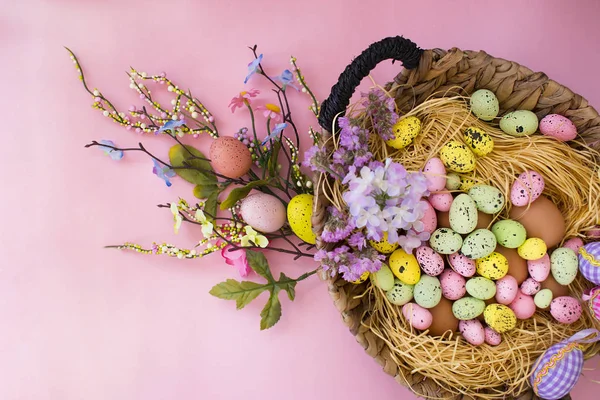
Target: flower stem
256,142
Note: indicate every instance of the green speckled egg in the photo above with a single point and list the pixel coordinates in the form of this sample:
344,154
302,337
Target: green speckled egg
405,131
481,288
564,265
519,123
463,214
400,294
478,244
457,157
480,142
485,105
494,266
384,278
428,291
467,308
488,199
445,241
510,234
452,181
543,298
500,318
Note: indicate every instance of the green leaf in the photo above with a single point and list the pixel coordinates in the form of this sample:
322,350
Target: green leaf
180,156
242,292
210,205
272,165
288,284
271,313
259,264
204,191
240,193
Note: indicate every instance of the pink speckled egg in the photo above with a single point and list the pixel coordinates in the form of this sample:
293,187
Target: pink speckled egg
593,233
430,262
507,289
527,188
559,127
462,264
453,285
472,331
429,219
436,175
523,306
539,269
565,309
492,337
417,316
573,244
230,157
441,201
530,287
263,212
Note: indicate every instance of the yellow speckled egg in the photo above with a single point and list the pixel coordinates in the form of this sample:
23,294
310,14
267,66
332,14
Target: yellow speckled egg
383,246
500,318
299,214
405,267
362,278
532,249
457,157
405,131
479,141
493,266
466,183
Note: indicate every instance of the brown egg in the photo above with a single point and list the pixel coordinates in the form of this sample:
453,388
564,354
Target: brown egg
517,267
443,318
230,157
556,288
443,219
542,220
483,220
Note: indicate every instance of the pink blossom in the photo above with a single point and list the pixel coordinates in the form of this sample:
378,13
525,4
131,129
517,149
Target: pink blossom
237,259
271,111
243,99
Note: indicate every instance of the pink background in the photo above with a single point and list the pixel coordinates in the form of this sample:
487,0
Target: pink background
81,322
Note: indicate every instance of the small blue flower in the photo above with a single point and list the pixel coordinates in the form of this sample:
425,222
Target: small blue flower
276,131
287,79
114,154
163,172
170,126
253,67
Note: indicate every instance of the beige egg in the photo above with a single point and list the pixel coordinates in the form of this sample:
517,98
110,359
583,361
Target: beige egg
230,157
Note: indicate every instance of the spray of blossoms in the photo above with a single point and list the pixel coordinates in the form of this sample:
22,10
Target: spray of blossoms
382,111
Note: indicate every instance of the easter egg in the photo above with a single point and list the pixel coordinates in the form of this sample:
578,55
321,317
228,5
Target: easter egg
400,293
563,265
443,318
463,214
466,183
265,213
480,143
517,267
467,308
493,266
566,309
507,289
457,157
383,246
230,157
589,262
435,172
530,287
429,219
592,297
299,215
384,278
445,241
532,249
405,131
478,244
428,291
462,264
556,288
472,331
363,278
519,123
543,298
540,268
527,188
559,127
483,220
441,201
453,285
541,219
500,318
510,234
452,181
430,262
487,198
574,244
523,306
492,337
481,288
405,267
417,316
484,104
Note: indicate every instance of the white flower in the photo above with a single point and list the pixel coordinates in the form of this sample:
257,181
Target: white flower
176,217
207,226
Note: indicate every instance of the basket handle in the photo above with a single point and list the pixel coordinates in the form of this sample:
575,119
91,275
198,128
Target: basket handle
396,48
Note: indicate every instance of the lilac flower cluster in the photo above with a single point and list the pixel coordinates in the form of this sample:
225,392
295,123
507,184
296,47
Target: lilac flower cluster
337,227
350,263
382,110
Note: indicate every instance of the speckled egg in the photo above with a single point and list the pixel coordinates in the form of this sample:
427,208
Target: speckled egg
457,157
400,293
363,278
264,212
481,288
523,306
462,264
530,287
532,249
527,188
559,127
472,331
467,308
453,285
500,318
565,309
480,243
493,266
539,269
488,199
507,289
484,104
299,214
563,264
445,241
492,337
405,267
589,262
431,262
480,143
405,131
441,201
429,219
463,214
574,244
435,172
417,316
519,123
383,246
466,183
384,278
452,181
543,298
230,157
510,234
428,291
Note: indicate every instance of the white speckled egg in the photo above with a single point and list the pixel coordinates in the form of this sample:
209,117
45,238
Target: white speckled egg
559,127
472,331
453,285
463,214
484,104
428,291
563,264
445,241
263,212
519,123
480,243
488,199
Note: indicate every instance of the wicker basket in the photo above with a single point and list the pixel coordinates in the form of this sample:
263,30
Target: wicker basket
426,73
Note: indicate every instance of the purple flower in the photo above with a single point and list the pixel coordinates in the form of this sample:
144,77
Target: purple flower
317,159
170,126
357,240
287,79
412,240
337,227
253,67
112,153
351,264
382,110
163,172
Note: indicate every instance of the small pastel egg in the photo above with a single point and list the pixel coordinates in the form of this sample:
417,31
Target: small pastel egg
417,316
263,212
565,309
523,306
230,157
472,331
383,246
543,298
539,269
500,317
467,308
484,104
429,219
589,262
445,241
493,266
481,288
457,157
563,265
594,233
488,199
530,287
480,142
574,244
453,285
532,249
405,267
428,291
431,262
462,264
400,293
405,131
527,188
363,277
299,215
441,201
463,214
507,289
384,278
519,123
492,337
478,244
453,181
466,183
559,127
436,175
510,234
